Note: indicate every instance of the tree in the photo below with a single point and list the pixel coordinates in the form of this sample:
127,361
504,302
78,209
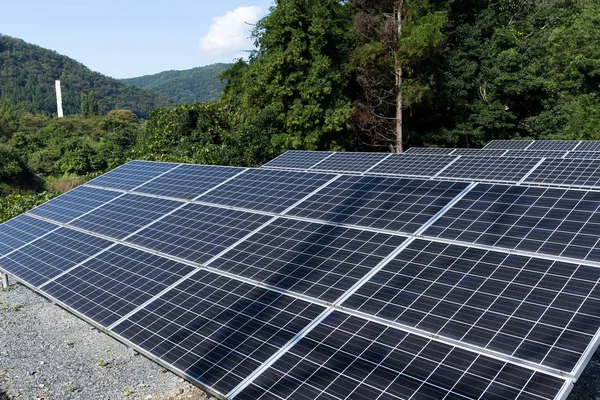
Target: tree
85,106
92,99
297,81
398,38
9,122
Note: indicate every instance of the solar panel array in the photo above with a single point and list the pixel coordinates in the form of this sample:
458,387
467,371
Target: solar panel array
335,275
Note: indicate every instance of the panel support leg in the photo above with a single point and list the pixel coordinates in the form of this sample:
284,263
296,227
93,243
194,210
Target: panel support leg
4,280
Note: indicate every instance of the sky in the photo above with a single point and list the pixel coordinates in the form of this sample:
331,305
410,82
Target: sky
125,39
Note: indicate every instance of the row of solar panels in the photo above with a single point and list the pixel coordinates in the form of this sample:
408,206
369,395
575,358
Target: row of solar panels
583,173
441,289
568,145
504,153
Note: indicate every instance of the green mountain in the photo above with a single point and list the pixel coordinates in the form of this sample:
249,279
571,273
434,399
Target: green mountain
196,84
28,72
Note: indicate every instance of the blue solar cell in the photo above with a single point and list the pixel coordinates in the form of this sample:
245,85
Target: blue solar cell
20,231
266,190
125,215
115,282
197,232
74,203
51,255
295,159
217,330
188,181
131,175
387,203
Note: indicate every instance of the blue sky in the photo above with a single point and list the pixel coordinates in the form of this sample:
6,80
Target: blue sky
125,38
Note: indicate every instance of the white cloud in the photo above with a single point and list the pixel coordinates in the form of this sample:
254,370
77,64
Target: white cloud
230,33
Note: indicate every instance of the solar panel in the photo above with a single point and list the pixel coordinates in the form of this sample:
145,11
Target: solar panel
312,259
569,172
116,282
591,155
506,169
412,165
519,306
429,150
51,255
394,204
131,175
217,330
508,144
20,231
350,162
294,159
74,203
197,233
125,215
589,145
188,181
553,145
266,190
536,153
333,300
346,357
558,222
479,152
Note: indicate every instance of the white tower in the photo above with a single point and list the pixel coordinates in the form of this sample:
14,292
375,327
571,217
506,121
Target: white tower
59,109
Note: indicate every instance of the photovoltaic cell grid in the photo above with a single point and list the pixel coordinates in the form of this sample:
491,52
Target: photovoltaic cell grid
507,144
346,357
412,165
505,169
569,172
553,145
51,255
349,162
125,215
74,203
589,145
131,175
197,233
557,222
266,190
20,231
188,181
316,260
536,153
294,159
217,330
335,252
395,204
115,282
542,311
479,152
429,150
592,155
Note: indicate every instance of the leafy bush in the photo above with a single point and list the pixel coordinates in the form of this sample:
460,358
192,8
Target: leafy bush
17,204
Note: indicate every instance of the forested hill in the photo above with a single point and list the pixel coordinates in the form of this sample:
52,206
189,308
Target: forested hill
196,84
28,72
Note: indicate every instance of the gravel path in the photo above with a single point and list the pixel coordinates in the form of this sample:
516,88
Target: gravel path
47,353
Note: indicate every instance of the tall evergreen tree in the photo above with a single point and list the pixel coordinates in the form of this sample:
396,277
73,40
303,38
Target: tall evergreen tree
93,104
85,106
296,82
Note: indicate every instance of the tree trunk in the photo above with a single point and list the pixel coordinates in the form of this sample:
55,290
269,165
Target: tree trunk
398,72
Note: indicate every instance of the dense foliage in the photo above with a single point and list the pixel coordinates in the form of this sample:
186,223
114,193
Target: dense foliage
15,204
200,84
28,72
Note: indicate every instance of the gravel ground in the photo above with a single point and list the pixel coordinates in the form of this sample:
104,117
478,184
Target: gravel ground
47,353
